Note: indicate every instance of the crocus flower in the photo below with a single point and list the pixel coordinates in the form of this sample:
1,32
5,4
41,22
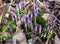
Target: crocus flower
20,5
48,27
35,13
35,28
14,14
34,19
17,6
33,31
36,9
19,18
29,19
31,15
31,12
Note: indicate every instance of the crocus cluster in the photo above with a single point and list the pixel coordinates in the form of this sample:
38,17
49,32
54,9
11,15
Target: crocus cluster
28,18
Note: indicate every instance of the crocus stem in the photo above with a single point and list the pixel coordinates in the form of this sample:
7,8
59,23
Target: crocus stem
20,6
35,29
25,22
34,14
26,26
40,29
31,14
17,9
31,26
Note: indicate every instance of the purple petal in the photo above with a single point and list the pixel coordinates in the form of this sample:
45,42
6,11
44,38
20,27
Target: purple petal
37,6
48,27
29,19
14,14
36,9
35,28
25,20
13,18
20,5
31,12
33,31
17,6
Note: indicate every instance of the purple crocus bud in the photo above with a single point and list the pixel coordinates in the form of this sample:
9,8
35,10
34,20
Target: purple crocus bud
31,13
40,28
13,18
19,18
29,19
37,6
25,18
14,14
36,9
52,11
20,5
35,28
17,6
48,27
25,21
35,16
35,12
